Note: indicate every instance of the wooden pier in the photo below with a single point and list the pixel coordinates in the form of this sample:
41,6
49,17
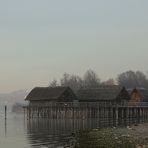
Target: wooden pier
106,115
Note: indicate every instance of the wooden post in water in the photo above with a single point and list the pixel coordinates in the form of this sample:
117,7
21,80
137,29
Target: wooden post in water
114,116
5,112
119,116
24,112
125,116
109,117
138,115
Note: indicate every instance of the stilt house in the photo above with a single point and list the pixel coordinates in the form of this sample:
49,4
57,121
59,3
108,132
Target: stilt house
105,95
138,96
47,96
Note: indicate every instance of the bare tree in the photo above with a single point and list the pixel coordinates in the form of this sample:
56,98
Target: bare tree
142,79
108,82
91,79
65,79
73,81
53,83
131,79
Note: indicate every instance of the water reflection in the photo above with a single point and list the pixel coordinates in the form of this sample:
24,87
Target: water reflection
55,133
5,127
16,131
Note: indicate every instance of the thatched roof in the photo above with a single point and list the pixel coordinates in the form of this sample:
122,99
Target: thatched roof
143,93
49,93
103,93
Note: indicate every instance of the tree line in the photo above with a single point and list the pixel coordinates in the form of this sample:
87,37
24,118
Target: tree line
128,79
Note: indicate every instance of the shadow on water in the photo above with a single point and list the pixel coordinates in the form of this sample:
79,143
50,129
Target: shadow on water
55,133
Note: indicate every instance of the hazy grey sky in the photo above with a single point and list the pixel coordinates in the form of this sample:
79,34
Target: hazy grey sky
42,39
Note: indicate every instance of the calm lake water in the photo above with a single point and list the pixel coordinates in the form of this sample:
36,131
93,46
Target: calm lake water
17,132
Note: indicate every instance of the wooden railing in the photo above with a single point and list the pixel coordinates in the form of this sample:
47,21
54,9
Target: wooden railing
88,104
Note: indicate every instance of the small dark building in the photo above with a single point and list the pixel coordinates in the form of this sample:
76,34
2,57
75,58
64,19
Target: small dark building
105,95
44,96
138,96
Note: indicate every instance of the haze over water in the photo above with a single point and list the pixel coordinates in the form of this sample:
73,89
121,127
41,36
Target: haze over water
41,40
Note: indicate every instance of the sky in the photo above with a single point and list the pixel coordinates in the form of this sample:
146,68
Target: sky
42,39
